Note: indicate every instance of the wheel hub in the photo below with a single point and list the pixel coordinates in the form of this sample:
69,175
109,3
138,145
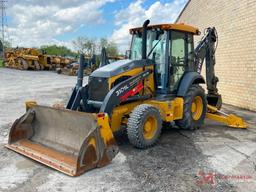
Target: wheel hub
197,108
149,128
193,107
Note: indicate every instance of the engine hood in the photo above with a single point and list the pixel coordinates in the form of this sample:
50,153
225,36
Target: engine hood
119,67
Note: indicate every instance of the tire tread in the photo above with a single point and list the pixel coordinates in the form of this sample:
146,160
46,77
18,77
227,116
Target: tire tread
135,122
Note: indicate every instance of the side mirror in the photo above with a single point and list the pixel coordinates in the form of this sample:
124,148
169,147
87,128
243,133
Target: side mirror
127,54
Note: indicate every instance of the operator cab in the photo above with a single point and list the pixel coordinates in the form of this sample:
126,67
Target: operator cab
171,48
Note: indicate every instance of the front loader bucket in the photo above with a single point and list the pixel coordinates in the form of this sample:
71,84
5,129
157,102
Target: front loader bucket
69,141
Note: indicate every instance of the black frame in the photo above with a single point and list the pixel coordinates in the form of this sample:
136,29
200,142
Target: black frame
168,64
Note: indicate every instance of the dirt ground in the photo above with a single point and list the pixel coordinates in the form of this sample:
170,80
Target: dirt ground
226,157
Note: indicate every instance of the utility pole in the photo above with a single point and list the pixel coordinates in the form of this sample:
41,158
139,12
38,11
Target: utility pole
3,21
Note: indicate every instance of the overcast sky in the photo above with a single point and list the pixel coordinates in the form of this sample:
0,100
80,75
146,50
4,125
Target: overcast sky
32,23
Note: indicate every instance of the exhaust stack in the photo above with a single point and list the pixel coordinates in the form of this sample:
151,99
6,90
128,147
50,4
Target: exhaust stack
144,40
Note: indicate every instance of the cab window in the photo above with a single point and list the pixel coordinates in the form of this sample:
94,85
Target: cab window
177,58
181,57
156,47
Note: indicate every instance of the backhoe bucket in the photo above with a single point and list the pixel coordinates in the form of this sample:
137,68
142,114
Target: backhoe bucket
69,141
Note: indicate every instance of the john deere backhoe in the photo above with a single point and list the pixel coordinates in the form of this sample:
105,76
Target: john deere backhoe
160,82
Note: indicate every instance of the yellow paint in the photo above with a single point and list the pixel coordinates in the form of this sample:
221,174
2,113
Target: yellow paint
30,57
44,60
118,115
92,141
149,82
150,128
30,104
127,73
178,104
229,119
197,108
193,107
178,27
170,111
212,109
105,130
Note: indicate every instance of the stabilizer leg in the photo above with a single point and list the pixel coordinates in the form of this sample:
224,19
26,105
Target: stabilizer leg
230,119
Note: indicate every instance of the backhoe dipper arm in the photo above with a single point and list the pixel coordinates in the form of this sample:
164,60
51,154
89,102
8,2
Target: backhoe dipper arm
206,50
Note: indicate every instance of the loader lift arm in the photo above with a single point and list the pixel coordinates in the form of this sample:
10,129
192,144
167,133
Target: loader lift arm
79,92
125,91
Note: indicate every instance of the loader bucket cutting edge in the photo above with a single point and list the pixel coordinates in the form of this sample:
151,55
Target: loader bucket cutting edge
69,141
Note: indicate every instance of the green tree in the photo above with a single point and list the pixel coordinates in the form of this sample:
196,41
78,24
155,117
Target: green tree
58,50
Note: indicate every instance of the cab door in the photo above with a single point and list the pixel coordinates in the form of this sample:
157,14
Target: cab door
181,57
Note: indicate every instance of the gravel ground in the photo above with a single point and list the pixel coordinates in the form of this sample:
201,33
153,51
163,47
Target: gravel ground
175,164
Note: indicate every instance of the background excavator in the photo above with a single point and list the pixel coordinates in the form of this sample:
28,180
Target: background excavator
159,83
90,63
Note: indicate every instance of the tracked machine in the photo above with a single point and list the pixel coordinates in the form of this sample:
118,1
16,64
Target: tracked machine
159,83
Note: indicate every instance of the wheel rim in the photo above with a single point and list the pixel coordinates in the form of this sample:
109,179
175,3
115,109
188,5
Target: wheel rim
197,108
150,128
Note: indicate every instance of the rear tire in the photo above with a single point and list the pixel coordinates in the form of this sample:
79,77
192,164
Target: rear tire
194,108
144,126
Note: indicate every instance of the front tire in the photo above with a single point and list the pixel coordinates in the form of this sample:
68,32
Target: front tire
144,126
194,108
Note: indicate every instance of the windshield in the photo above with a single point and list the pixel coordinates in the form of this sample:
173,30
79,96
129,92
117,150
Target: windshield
153,38
136,46
156,47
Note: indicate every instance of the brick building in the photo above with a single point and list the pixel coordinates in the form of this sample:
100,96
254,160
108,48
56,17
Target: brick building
235,21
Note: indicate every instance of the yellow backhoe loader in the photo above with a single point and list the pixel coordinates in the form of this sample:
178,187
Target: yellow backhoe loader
160,82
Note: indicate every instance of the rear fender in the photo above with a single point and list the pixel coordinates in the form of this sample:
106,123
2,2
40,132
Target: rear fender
188,79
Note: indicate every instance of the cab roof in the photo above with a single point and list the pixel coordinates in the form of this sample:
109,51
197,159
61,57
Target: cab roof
177,26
